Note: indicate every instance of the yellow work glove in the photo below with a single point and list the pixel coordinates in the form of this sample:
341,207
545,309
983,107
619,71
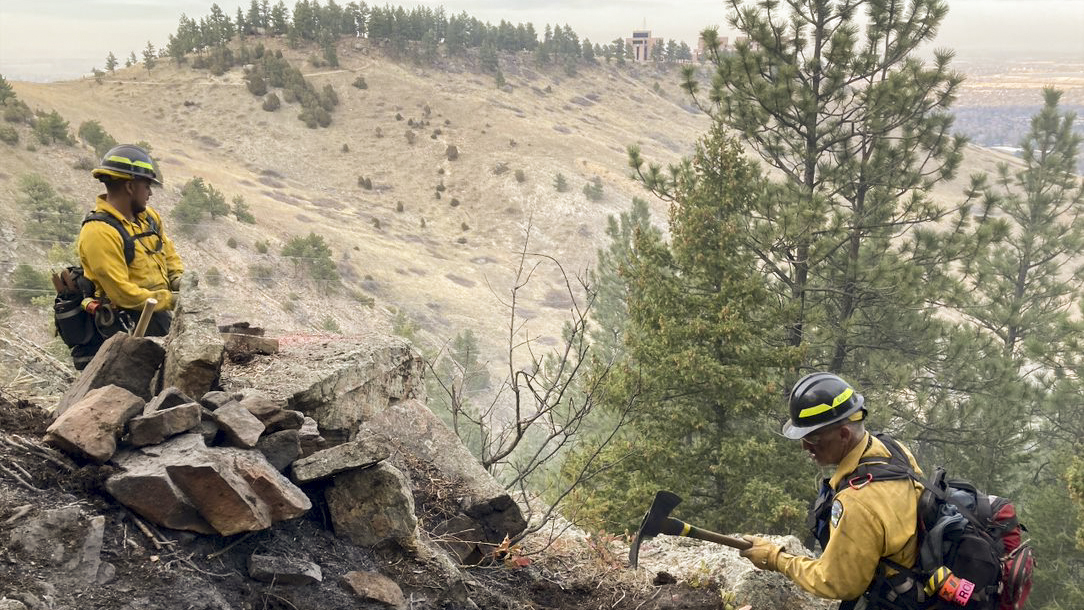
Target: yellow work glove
175,284
764,554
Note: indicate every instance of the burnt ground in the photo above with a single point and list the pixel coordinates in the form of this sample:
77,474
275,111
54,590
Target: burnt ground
196,572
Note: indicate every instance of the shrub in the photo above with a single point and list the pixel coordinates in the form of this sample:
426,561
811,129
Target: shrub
593,189
560,183
500,168
452,152
376,223
256,84
365,183
18,112
330,325
461,240
313,255
361,297
8,135
84,163
399,206
360,83
346,148
261,246
454,202
28,283
464,226
410,137
214,276
51,128
441,187
521,176
289,96
398,116
378,132
271,103
232,242
94,135
242,212
262,275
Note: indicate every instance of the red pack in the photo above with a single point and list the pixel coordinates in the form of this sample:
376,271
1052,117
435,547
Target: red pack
1017,561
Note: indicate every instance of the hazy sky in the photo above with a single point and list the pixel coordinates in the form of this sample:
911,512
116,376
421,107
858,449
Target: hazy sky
57,39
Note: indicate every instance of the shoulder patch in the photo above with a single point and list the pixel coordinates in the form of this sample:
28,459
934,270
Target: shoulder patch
837,513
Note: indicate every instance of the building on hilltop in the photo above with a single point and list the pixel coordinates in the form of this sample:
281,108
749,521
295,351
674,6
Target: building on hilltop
702,47
641,44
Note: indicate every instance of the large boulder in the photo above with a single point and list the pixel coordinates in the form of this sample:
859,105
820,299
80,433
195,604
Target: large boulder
341,383
123,361
373,507
487,513
91,427
195,348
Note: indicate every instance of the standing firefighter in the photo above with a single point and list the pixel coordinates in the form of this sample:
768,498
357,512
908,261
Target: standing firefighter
865,524
125,252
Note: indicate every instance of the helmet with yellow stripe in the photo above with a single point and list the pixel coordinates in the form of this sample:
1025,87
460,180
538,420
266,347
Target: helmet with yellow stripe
819,400
127,162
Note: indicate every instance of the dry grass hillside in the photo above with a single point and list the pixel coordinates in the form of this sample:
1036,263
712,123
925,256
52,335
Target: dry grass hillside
446,267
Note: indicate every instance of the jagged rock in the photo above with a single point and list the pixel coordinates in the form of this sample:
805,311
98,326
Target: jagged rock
340,383
283,571
416,431
242,328
11,604
240,427
68,542
195,348
359,453
144,486
310,438
161,424
216,399
91,427
237,490
280,448
374,587
122,361
166,399
373,506
273,416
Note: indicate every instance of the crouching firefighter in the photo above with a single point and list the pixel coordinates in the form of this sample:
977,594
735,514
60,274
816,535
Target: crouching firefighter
125,254
865,524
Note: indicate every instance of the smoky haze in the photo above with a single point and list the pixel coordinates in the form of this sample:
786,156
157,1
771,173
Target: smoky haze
63,39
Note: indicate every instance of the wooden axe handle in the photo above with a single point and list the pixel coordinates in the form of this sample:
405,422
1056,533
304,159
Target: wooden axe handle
145,317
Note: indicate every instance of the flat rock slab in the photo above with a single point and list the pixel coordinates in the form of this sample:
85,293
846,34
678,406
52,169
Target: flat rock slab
359,453
283,571
340,383
123,361
161,424
67,542
91,427
374,587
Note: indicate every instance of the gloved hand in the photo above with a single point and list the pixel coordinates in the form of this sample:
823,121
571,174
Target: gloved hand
764,554
175,283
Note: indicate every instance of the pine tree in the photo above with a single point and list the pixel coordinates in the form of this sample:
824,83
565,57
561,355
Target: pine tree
51,216
111,62
699,361
131,60
858,127
149,57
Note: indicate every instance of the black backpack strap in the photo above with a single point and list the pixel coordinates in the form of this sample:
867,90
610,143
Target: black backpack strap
129,241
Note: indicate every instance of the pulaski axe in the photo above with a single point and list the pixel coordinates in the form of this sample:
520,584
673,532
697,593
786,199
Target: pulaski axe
657,521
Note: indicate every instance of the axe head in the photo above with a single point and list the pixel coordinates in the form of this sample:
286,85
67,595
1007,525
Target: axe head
654,519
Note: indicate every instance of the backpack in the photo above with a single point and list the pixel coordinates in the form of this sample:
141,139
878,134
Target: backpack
73,324
972,553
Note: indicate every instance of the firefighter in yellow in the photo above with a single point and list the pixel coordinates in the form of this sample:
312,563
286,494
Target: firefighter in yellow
150,268
862,523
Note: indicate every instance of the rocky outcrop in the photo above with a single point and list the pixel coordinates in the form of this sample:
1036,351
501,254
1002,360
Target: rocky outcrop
92,426
487,513
341,384
123,361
